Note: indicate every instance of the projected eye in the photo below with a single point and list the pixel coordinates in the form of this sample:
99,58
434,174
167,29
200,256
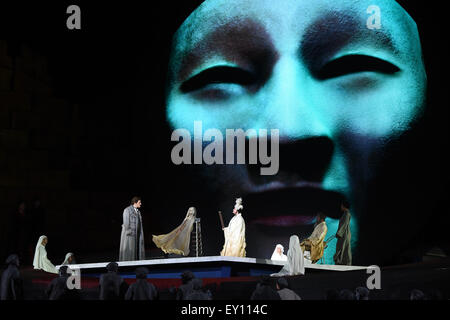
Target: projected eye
216,77
353,64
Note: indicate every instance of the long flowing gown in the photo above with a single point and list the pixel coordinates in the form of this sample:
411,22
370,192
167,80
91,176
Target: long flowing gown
234,238
178,240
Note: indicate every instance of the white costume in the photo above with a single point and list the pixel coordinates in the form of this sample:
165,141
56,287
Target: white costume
66,259
40,261
295,264
277,256
235,234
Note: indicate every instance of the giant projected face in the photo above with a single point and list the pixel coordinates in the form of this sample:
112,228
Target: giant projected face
338,86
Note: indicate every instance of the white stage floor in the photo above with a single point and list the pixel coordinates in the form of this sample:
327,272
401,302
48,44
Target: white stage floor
199,262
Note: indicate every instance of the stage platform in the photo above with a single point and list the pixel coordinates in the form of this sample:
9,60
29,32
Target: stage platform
396,281
204,267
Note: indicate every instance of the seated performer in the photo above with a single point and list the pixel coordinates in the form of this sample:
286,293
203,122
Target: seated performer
69,259
314,243
178,240
235,234
40,260
278,253
295,264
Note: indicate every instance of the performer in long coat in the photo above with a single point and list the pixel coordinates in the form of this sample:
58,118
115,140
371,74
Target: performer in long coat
132,237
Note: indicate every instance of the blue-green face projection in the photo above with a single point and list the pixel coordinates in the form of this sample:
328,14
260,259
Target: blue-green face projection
344,76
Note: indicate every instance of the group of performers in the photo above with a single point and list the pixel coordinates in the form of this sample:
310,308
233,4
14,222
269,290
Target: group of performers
40,260
178,240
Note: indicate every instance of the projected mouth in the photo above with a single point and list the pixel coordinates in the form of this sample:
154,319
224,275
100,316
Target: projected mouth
285,221
292,206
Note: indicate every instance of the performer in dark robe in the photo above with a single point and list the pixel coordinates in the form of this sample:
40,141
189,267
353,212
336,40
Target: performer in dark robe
58,290
112,286
11,283
343,255
141,289
285,292
186,287
132,237
264,290
197,292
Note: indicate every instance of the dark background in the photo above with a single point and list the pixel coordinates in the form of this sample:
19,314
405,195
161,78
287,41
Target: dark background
82,125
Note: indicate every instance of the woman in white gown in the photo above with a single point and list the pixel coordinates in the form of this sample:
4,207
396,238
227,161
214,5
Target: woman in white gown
178,240
295,264
40,260
234,234
278,253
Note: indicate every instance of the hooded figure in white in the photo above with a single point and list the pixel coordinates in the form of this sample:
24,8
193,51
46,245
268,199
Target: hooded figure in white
295,264
278,253
235,234
178,240
69,259
40,260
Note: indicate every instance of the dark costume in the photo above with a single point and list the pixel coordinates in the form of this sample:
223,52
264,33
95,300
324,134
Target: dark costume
11,283
112,286
264,291
186,287
197,292
141,289
284,291
58,290
343,255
